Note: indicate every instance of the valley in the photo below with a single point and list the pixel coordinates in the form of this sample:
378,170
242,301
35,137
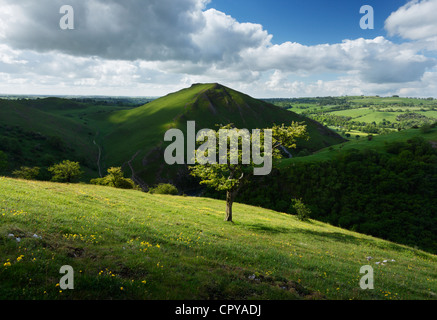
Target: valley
367,175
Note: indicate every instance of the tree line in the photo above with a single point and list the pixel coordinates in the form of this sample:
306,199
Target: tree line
70,172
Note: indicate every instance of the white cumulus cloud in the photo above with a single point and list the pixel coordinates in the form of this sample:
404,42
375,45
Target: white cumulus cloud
156,46
416,20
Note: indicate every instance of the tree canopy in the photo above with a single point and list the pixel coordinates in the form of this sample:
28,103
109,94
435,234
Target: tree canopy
235,165
66,171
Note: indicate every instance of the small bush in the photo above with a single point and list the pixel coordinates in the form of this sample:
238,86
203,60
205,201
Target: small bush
115,179
164,188
27,173
302,212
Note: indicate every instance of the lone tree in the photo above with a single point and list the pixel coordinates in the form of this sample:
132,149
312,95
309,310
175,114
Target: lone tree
230,175
66,171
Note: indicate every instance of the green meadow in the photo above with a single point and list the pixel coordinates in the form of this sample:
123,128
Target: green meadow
133,245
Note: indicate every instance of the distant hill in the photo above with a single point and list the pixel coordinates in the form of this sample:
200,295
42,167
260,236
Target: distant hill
40,132
138,133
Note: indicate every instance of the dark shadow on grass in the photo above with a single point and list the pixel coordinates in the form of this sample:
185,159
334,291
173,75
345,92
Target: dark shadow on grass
349,239
336,236
259,227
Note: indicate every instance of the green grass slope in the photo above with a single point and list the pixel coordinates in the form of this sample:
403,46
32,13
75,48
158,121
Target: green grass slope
32,134
132,245
42,132
24,115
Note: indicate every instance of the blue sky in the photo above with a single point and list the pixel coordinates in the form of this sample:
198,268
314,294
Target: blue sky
275,48
310,22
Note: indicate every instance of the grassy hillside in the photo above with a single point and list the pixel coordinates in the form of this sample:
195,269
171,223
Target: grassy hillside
100,134
132,245
45,131
138,133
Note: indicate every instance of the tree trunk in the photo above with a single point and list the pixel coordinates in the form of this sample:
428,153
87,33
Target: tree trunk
229,202
231,194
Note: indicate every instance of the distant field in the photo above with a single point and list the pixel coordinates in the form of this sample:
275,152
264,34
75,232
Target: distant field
354,113
432,114
353,133
378,143
377,117
369,115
